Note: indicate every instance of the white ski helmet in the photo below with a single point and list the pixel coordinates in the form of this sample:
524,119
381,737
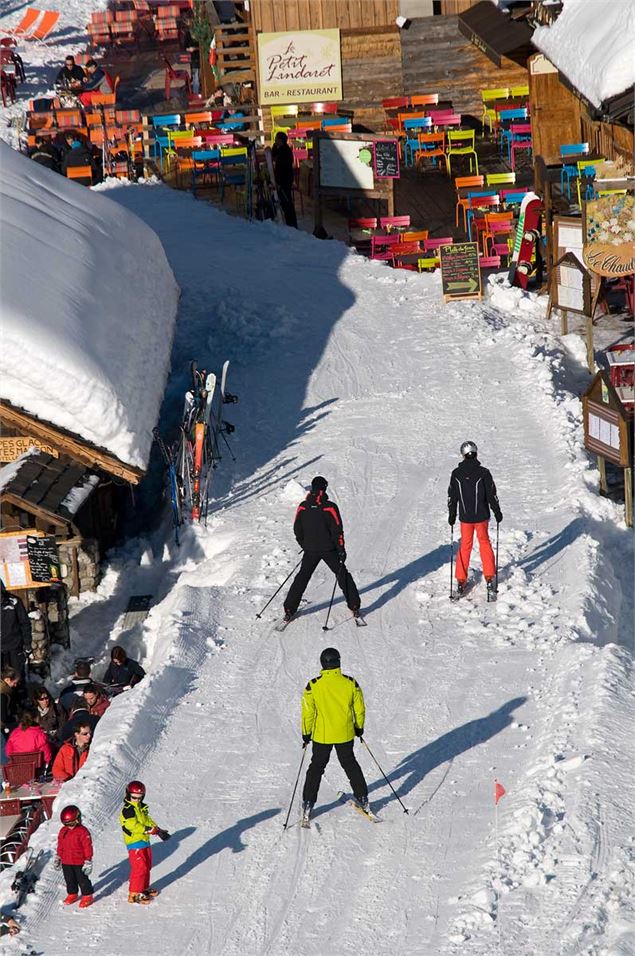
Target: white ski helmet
469,449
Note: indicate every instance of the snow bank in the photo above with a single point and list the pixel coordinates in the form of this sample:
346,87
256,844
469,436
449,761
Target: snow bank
88,310
592,44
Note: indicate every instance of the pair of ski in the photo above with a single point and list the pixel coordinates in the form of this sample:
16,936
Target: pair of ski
456,595
305,820
284,623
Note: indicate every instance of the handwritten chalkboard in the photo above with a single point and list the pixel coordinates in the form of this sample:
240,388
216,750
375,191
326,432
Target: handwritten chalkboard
460,273
43,559
386,159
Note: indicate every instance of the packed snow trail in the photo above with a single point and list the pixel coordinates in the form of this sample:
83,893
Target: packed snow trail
351,370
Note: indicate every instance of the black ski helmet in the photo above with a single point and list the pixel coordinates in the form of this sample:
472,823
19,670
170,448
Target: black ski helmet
469,449
330,658
319,483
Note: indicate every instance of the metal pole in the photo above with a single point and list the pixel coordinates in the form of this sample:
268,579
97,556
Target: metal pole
279,589
497,527
284,826
328,613
451,561
382,773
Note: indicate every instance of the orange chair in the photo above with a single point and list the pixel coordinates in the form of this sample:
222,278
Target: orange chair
425,99
498,226
46,25
466,182
418,235
27,22
432,146
82,174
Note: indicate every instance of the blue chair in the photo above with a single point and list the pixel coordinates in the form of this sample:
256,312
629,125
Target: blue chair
470,212
161,140
570,172
511,198
233,172
505,117
412,128
205,164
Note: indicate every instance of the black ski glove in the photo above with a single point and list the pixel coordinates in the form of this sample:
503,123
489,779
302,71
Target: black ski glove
306,740
359,731
341,554
451,520
499,517
163,834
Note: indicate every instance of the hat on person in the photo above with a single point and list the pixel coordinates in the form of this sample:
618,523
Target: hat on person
319,483
330,658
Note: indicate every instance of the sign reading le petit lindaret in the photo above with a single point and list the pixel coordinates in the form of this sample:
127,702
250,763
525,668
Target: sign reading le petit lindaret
300,66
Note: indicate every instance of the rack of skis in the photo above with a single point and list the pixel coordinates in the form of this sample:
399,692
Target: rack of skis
203,436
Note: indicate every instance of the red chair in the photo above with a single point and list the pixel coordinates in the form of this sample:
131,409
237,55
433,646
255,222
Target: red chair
7,87
176,76
323,109
23,768
9,808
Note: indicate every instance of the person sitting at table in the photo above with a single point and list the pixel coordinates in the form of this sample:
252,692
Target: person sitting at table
78,714
8,706
122,670
45,154
79,679
73,754
96,703
28,737
97,81
71,76
78,155
49,716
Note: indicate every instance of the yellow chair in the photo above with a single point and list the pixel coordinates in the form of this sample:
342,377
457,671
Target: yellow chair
461,143
429,262
500,179
489,113
522,90
278,115
611,192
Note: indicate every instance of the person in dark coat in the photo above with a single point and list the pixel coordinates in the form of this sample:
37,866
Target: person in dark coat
79,679
122,671
15,628
71,76
97,81
78,155
8,704
49,715
473,492
319,532
79,716
45,154
282,156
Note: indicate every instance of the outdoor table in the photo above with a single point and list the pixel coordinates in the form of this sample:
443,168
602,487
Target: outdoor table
625,357
34,791
7,824
626,394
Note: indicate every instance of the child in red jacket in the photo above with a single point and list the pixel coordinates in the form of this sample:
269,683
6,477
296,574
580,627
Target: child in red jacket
75,856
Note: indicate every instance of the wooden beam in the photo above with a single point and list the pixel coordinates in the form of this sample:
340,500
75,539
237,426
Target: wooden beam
37,511
67,443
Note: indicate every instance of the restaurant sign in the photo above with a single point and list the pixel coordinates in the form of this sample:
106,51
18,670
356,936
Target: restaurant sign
609,246
299,66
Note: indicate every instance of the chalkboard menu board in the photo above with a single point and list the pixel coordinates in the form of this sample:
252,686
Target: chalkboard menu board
460,273
386,159
43,559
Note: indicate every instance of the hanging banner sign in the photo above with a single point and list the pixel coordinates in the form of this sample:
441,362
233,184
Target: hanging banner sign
300,66
609,245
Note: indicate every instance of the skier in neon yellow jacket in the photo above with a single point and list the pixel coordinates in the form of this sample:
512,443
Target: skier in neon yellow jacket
333,714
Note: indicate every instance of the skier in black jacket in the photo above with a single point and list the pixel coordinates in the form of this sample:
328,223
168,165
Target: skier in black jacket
319,532
15,628
472,489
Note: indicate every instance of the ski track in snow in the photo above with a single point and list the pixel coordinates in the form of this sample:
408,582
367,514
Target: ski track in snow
365,377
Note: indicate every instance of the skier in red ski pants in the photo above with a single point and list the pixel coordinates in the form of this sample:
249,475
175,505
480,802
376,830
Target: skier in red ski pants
472,491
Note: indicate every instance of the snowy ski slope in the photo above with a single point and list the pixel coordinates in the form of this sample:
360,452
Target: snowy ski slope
348,369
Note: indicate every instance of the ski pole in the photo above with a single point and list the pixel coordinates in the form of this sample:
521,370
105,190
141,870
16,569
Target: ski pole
279,589
328,613
451,560
284,826
497,527
383,774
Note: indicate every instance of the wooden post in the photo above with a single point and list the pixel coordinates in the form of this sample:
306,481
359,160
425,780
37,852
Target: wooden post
317,197
628,497
590,357
564,322
602,466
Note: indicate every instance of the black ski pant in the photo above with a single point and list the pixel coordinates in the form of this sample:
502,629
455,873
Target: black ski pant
286,204
310,561
319,760
76,879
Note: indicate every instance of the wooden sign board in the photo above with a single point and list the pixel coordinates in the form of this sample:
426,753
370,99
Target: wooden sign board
460,271
28,559
343,167
568,236
606,424
571,286
12,448
386,159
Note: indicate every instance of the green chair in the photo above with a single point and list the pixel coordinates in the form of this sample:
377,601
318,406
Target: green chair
489,113
283,118
461,142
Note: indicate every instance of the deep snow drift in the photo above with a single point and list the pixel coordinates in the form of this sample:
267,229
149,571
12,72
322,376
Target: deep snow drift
349,369
88,309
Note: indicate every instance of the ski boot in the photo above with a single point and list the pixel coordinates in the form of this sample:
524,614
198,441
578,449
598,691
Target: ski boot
138,898
357,612
71,898
363,804
288,616
461,587
307,806
491,588
85,901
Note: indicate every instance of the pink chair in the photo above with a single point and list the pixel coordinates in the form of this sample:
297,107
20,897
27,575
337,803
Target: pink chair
489,262
391,223
521,139
433,245
381,247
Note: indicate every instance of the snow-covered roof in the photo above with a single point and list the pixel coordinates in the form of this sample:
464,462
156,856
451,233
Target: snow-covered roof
10,470
88,308
591,43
